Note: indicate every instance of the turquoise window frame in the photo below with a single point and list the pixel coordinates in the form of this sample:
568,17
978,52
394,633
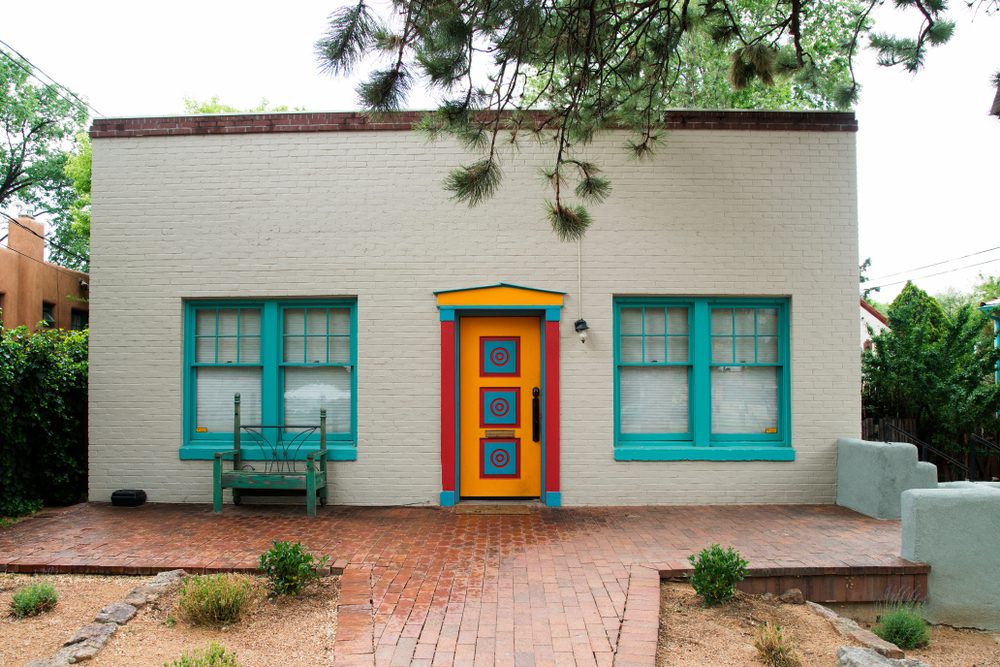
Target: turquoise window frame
203,446
700,444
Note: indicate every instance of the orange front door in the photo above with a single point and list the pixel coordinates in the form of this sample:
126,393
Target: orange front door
500,368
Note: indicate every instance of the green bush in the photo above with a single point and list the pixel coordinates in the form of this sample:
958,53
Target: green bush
902,624
43,419
216,599
716,573
772,647
289,567
33,599
213,656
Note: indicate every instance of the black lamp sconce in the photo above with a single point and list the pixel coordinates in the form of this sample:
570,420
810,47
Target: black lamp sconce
581,329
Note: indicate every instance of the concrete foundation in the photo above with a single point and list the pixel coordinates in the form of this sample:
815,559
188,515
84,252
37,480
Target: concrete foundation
954,529
871,476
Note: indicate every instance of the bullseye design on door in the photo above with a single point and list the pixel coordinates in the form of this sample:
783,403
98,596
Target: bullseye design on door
498,406
500,357
500,459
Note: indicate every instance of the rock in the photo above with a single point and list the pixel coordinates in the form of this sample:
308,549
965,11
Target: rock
853,656
825,612
119,612
168,578
792,596
852,630
768,596
138,599
93,632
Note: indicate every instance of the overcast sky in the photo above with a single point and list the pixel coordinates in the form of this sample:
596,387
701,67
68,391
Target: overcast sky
928,153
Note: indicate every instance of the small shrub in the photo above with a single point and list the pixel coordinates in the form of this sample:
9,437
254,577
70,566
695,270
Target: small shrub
33,599
289,567
216,599
772,647
902,624
213,656
716,573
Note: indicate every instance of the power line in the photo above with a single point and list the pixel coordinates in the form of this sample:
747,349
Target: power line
49,241
931,275
927,266
39,69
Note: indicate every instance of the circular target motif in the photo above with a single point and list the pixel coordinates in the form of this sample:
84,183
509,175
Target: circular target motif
499,407
499,356
499,458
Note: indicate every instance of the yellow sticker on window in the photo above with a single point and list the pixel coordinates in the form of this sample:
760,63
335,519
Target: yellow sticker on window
201,429
771,429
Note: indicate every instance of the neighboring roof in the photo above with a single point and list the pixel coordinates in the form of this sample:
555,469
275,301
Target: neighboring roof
989,305
874,313
352,121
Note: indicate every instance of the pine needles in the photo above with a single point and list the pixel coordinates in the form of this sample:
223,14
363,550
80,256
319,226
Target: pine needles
474,182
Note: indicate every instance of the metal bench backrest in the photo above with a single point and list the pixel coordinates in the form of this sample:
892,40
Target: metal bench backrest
279,444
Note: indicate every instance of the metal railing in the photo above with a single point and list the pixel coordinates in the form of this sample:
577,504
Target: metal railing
977,441
924,447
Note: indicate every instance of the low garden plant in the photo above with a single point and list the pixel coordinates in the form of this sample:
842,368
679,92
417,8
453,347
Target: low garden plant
289,568
773,648
33,599
716,573
217,599
903,624
213,656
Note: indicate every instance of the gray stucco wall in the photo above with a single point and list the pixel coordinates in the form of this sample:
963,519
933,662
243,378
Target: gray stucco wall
871,476
956,530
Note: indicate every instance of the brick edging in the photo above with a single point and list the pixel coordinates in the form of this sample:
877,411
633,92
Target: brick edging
353,121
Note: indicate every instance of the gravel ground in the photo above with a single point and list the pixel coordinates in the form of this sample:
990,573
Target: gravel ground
80,598
693,636
283,631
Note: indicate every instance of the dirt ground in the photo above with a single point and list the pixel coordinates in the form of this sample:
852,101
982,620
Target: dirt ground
290,631
80,598
694,636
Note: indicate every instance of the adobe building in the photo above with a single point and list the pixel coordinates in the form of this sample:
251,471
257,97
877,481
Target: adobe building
33,290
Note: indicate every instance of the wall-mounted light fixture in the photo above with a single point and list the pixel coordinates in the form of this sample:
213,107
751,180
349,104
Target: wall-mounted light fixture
581,329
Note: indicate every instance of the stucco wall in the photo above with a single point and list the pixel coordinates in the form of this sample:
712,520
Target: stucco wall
363,214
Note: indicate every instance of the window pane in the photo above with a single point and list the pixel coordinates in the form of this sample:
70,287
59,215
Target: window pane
295,349
677,348
767,349
249,350
655,349
227,321
722,350
744,399
309,389
214,402
205,320
744,321
655,321
744,350
722,320
316,321
249,322
316,349
204,348
654,400
631,349
340,321
677,320
294,323
227,350
340,349
631,320
767,321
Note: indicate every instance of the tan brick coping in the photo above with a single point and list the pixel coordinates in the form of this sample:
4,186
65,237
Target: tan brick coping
352,121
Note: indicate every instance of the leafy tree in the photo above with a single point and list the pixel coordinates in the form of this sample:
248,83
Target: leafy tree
214,105
934,368
582,65
71,219
37,122
987,289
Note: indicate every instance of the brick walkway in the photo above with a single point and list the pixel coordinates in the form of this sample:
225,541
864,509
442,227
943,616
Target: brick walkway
425,586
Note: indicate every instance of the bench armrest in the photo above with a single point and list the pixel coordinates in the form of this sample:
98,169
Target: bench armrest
229,453
318,454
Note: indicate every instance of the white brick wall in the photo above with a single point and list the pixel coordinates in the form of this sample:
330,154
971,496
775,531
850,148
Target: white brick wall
363,214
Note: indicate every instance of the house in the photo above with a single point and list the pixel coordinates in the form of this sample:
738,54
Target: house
308,260
34,291
872,320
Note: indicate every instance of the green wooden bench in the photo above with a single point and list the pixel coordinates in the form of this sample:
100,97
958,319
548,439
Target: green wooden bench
280,470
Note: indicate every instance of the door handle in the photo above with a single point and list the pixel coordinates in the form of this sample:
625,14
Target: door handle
536,415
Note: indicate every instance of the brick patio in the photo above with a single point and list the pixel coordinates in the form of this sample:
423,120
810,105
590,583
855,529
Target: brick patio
426,586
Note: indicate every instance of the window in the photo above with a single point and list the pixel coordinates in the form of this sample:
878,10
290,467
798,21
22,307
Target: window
79,319
702,379
286,359
48,314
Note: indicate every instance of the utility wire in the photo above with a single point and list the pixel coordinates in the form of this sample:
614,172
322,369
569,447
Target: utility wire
927,266
931,275
39,69
49,241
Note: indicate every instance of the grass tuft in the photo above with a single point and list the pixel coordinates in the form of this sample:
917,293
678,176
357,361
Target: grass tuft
773,649
903,624
213,656
33,599
217,599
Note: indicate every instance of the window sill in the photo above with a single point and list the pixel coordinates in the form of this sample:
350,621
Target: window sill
666,452
206,452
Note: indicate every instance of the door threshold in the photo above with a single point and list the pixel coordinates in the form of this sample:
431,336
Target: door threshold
498,505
